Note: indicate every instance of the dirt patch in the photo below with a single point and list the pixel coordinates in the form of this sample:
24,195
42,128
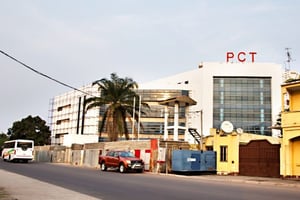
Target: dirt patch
4,195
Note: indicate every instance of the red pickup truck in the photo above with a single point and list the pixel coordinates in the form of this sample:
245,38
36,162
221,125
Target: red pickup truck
121,160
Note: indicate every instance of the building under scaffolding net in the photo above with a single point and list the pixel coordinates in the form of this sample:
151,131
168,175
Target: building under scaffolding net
71,124
69,121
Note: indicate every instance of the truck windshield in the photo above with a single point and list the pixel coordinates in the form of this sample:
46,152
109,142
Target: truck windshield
126,154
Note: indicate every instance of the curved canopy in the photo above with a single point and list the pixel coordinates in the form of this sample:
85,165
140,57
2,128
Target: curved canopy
181,100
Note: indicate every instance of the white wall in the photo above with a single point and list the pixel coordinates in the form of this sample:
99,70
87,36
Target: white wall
67,130
200,83
79,139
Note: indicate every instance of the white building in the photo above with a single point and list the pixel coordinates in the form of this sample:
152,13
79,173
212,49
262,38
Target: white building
223,91
70,122
246,94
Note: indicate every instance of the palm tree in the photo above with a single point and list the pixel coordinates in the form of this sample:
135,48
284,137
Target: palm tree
118,96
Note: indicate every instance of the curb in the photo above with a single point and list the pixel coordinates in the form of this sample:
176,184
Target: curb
239,179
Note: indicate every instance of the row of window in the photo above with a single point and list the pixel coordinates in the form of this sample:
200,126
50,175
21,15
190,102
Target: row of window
239,88
245,101
157,111
154,128
243,110
254,98
160,95
157,128
258,81
12,144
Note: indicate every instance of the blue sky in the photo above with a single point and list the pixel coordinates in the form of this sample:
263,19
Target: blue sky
79,41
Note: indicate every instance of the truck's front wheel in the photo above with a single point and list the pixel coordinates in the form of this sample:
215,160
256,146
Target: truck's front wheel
103,166
122,168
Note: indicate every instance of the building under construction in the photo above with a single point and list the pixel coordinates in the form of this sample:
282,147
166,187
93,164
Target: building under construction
70,121
245,94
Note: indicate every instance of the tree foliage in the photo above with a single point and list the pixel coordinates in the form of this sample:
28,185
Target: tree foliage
33,128
3,138
118,95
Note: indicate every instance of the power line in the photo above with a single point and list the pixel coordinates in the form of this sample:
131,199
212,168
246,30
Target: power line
44,75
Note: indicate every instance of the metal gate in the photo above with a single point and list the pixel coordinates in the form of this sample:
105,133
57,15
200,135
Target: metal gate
259,158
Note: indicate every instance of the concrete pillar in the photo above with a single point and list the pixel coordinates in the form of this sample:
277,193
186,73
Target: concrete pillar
176,121
166,123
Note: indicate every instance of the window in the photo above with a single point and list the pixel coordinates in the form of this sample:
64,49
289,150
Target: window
223,153
25,145
245,101
9,145
209,148
63,107
62,121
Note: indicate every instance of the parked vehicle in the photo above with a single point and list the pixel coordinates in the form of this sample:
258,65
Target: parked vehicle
121,160
18,150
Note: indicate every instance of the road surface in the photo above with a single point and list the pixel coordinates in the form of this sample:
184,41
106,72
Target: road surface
112,185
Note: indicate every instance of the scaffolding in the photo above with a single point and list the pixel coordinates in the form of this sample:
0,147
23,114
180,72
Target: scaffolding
69,118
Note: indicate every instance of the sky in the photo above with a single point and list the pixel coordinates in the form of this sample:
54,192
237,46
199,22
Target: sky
80,41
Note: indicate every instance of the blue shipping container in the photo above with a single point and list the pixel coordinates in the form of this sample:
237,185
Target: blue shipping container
193,161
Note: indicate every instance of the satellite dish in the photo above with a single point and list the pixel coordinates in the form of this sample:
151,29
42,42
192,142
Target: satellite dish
227,126
239,130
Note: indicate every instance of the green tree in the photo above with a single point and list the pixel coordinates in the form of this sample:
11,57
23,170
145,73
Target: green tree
118,95
3,138
33,128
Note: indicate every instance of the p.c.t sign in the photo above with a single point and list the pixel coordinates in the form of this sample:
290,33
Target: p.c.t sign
240,56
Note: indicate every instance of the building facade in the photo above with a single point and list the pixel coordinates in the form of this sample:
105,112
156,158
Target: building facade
245,94
236,156
153,119
290,123
70,122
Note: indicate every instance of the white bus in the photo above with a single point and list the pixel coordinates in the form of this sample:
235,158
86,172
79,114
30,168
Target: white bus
18,150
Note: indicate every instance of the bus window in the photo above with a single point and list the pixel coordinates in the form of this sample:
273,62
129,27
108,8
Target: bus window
24,145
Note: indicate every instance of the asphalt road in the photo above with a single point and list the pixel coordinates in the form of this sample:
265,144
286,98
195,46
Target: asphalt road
147,186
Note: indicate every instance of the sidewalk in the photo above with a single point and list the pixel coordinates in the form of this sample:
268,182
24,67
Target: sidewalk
17,187
292,183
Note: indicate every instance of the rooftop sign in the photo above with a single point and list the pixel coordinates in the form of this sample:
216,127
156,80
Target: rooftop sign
240,56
